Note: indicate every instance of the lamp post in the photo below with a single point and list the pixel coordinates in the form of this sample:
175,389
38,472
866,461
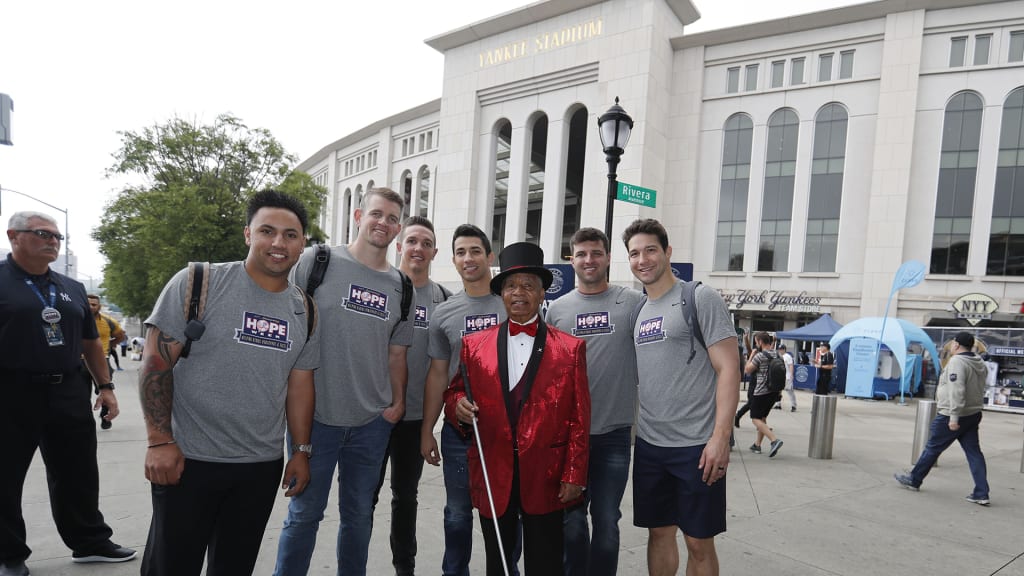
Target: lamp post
67,252
614,126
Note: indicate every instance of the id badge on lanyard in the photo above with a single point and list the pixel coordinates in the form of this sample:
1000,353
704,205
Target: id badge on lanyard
50,315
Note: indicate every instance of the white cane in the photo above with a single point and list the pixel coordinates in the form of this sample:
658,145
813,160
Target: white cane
483,467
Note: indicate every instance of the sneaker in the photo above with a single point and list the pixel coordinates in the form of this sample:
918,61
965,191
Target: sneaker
736,421
777,407
755,448
775,448
110,553
977,500
119,369
906,481
13,568
793,409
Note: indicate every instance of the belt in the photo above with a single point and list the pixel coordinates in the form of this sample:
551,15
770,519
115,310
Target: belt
37,378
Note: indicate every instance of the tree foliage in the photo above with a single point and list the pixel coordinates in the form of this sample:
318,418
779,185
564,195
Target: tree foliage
191,206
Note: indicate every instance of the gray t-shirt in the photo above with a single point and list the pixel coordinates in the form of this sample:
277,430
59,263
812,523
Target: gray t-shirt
460,316
427,299
677,401
603,320
360,312
761,360
229,394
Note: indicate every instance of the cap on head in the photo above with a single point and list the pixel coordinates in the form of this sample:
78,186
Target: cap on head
965,339
521,258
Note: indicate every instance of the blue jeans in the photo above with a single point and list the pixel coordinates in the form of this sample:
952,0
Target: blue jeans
941,438
458,508
606,483
358,452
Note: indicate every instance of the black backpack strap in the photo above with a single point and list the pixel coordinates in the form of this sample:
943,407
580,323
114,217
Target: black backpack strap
688,301
406,294
445,293
321,258
198,282
310,313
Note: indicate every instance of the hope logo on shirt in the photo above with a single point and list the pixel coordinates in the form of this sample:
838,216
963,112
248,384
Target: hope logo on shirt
366,301
593,323
478,322
650,331
264,332
421,320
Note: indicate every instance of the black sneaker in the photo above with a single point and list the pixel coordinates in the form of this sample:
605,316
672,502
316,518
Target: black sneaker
110,553
792,409
775,448
977,500
736,421
755,448
13,568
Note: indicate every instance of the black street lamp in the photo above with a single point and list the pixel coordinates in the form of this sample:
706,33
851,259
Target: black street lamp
614,126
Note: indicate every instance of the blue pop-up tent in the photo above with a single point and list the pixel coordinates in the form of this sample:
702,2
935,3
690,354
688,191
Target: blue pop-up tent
821,330
899,334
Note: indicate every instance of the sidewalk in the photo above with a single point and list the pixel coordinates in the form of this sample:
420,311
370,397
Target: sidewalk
788,515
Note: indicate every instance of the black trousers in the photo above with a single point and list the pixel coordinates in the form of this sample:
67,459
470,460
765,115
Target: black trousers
824,382
403,453
57,418
543,538
217,511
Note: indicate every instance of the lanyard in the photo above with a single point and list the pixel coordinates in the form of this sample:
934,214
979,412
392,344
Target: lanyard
53,293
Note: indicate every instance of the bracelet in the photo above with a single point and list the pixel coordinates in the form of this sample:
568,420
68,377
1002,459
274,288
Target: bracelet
161,444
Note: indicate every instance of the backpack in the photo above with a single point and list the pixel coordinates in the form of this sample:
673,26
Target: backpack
689,294
196,287
776,373
322,257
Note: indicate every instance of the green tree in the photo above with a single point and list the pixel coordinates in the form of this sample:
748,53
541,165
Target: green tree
191,206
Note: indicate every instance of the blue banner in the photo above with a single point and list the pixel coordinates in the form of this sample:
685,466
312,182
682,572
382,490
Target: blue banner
682,270
861,367
564,280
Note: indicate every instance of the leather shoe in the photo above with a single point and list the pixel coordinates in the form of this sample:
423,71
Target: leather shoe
14,569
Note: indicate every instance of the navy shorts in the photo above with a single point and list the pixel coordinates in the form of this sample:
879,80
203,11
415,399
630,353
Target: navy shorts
761,406
668,490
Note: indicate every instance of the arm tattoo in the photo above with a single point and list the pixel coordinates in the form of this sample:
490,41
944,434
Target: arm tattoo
156,385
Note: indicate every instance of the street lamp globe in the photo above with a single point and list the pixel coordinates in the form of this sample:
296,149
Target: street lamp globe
615,127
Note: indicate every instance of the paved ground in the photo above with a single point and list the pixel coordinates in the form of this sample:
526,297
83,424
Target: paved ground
790,515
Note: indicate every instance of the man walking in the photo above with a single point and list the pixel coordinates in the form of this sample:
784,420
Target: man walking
960,397
417,249
110,332
600,314
215,461
472,310
763,399
788,359
46,329
688,394
360,386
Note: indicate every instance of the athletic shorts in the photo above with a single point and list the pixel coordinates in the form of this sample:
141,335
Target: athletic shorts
761,406
668,491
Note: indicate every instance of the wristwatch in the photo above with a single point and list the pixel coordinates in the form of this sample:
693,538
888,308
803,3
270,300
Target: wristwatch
107,386
306,449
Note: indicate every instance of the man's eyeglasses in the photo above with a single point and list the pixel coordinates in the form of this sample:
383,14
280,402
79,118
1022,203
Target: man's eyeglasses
45,234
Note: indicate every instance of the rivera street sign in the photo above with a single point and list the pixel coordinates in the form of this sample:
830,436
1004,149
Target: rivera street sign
636,195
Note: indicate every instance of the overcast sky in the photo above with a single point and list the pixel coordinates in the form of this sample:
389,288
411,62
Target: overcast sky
309,71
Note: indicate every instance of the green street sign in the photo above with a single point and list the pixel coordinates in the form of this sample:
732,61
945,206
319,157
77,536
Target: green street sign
636,195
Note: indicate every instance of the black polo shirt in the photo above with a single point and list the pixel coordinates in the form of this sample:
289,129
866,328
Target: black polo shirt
23,345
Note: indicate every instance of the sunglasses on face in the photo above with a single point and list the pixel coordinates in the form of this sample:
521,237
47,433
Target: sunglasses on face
45,234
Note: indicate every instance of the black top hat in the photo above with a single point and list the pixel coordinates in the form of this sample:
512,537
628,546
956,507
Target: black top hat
521,257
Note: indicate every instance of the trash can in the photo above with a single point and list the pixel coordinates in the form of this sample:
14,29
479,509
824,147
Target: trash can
823,427
922,428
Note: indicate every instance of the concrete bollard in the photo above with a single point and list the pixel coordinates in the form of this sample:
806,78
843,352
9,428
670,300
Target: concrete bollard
1022,460
823,427
922,428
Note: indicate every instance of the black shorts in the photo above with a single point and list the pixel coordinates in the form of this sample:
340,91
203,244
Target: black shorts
761,406
668,491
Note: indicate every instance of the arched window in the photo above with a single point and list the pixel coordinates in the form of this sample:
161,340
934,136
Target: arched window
576,159
826,196
502,151
958,167
737,139
777,203
1006,242
346,216
406,192
535,186
357,201
423,196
